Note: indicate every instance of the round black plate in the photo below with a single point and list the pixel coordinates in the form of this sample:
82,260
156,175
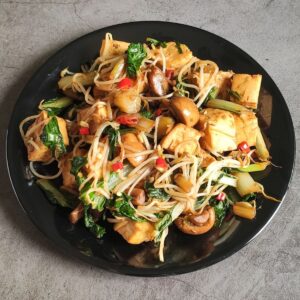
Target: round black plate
183,253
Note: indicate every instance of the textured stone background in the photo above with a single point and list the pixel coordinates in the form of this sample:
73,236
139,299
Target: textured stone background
30,268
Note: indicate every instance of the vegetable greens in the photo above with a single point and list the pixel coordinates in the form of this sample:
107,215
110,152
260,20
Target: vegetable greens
153,192
162,224
77,163
123,208
89,222
146,114
178,46
221,209
52,138
54,195
113,140
56,105
135,55
156,43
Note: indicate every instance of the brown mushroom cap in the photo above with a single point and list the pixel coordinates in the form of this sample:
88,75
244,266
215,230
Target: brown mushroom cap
205,221
158,82
185,110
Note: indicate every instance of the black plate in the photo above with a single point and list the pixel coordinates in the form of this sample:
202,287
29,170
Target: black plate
184,253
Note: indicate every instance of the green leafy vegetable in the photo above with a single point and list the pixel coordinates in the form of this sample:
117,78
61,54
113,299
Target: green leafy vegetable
234,94
178,46
153,192
156,43
167,220
146,114
249,197
56,106
52,138
162,224
135,55
113,140
95,200
54,195
77,163
123,208
89,222
221,209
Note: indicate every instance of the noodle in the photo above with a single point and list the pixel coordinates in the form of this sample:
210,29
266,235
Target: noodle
145,180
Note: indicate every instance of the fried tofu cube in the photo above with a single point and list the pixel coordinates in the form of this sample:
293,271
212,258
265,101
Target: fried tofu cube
246,127
175,59
179,135
62,125
42,154
135,232
36,149
220,132
130,143
246,87
94,116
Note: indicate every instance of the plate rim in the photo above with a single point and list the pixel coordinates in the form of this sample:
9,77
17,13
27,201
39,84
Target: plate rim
125,269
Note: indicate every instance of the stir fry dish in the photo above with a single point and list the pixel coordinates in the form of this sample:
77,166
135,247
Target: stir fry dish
146,136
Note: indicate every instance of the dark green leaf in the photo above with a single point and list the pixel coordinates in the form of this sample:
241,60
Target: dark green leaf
97,201
77,163
178,46
146,114
153,192
113,140
135,55
54,195
56,106
89,222
249,197
123,208
52,138
156,43
221,209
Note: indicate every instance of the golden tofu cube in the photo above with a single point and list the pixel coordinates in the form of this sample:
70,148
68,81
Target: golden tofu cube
62,125
220,132
175,59
135,232
246,127
246,87
182,134
42,154
36,150
65,166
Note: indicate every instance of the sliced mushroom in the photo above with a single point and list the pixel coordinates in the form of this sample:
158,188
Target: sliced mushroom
138,196
158,82
185,110
196,224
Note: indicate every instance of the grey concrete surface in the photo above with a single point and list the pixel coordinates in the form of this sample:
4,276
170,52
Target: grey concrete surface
30,268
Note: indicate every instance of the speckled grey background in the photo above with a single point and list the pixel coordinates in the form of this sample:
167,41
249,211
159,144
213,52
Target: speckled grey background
31,268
